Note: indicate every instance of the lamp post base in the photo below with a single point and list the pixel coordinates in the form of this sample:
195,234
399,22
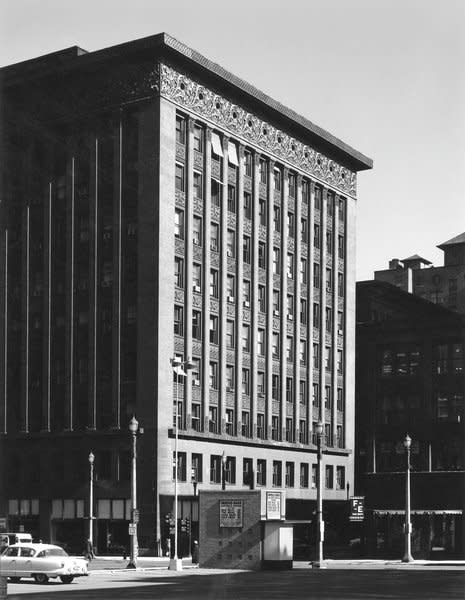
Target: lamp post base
408,558
319,564
131,565
175,564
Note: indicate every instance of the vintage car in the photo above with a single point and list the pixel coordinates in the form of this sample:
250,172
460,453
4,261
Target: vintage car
40,561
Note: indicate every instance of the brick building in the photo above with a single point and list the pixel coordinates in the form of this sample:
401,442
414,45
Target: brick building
122,168
410,379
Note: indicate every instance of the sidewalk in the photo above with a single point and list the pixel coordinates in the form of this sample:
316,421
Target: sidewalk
118,563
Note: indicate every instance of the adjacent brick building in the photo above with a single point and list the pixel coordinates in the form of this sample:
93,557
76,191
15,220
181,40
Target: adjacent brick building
154,205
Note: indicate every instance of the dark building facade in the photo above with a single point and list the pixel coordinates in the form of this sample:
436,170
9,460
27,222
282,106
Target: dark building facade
155,205
410,379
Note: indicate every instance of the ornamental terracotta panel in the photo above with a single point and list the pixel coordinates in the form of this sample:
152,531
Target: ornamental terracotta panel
215,213
246,315
198,206
213,397
231,265
180,199
317,216
198,253
215,260
230,400
179,296
198,160
232,176
180,152
277,196
291,203
276,238
245,402
262,190
247,226
216,170
231,220
304,209
196,300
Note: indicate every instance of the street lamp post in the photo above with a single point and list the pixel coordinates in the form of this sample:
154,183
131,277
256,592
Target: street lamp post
91,500
179,367
223,471
408,525
319,563
133,428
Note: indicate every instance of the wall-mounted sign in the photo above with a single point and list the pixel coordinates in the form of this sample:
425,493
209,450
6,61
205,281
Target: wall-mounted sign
231,513
356,508
273,505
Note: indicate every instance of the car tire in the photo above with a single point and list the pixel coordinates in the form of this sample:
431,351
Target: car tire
41,578
14,579
66,578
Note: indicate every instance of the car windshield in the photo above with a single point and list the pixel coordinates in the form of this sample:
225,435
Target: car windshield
51,552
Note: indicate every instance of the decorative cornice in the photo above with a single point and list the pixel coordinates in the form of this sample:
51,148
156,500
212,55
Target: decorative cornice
193,96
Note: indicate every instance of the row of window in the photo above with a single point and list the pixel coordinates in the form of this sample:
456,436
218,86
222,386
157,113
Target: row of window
228,470
263,170
447,358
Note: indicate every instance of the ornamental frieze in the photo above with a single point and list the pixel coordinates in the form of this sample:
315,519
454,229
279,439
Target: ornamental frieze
193,96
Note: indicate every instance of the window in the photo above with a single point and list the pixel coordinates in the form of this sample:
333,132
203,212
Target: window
196,473
275,427
248,163
246,292
197,277
213,375
289,430
198,185
231,198
217,147
230,470
262,298
275,345
328,397
197,231
342,209
246,249
179,224
213,283
303,311
289,349
180,130
276,261
215,469
178,272
316,235
289,389
329,476
340,362
231,287
314,476
330,204
277,473
196,325
247,205
315,395
457,358
276,302
290,224
317,198
303,352
277,218
246,382
340,284
340,478
246,338
230,425
328,434
328,359
182,466
196,371
339,436
340,399
213,329
316,275
305,191
316,356
247,472
262,211
216,192
289,474
198,137
245,427
261,426
340,246
261,342
304,475
316,315
329,319
263,170
441,360
329,280
179,178
230,334
303,271
303,432
261,472
329,242
260,383
262,255
196,416
304,231
214,237
340,323
290,266
178,320
213,419
292,185
275,387
231,243
277,179
303,392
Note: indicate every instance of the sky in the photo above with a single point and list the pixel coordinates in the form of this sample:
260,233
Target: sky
385,76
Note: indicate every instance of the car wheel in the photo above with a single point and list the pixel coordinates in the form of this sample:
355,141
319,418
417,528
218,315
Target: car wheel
41,578
14,579
66,578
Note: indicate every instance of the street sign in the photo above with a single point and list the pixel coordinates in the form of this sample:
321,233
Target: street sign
135,515
132,529
357,508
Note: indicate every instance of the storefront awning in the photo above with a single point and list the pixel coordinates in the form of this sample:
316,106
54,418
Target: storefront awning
419,511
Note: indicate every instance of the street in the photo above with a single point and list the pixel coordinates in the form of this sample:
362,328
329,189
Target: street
425,583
